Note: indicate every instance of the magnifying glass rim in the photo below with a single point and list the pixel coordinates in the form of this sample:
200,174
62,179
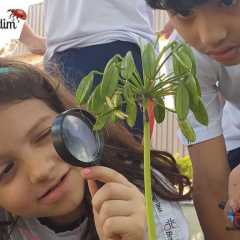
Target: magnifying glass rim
58,138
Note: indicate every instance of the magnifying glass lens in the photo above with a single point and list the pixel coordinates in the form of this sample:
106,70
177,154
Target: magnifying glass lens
75,140
79,139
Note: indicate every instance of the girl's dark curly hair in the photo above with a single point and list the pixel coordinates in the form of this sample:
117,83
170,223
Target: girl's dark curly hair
175,5
26,82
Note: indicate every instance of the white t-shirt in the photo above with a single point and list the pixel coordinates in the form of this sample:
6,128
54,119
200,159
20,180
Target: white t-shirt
81,23
216,78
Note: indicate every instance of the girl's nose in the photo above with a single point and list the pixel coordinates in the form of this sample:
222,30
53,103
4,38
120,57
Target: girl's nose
40,170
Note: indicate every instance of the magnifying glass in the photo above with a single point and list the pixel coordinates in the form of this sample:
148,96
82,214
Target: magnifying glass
74,138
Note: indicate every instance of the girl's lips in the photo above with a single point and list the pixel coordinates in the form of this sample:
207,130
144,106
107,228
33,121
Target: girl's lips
225,56
57,192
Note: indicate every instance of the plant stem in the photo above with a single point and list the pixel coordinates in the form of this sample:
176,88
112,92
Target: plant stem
147,176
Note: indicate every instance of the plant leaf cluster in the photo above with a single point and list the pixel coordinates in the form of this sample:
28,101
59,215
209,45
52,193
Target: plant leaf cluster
122,85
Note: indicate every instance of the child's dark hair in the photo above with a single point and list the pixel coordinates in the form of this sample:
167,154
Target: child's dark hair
178,6
121,151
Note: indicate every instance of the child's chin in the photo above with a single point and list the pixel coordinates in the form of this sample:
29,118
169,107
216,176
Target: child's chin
67,214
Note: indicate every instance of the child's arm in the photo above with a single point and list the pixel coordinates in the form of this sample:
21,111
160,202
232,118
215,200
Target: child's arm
210,176
208,154
35,43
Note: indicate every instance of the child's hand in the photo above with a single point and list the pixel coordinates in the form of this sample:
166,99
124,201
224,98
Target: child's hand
37,45
232,207
234,188
118,206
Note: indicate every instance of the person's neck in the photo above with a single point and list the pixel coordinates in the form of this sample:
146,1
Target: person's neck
66,222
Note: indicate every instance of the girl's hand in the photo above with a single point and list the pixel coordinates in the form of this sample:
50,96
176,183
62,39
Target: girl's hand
234,189
118,206
233,204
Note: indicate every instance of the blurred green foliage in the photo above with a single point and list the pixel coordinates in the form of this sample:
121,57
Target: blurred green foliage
185,165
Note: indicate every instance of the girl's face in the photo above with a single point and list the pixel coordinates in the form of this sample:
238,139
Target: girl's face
212,28
34,180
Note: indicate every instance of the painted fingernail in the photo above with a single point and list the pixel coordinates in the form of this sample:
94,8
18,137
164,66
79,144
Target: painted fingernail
86,171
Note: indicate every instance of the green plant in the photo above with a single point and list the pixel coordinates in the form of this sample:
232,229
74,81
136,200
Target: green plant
185,165
122,84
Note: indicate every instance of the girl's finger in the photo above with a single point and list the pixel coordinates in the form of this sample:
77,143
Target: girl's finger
120,226
116,191
104,175
115,208
233,205
92,186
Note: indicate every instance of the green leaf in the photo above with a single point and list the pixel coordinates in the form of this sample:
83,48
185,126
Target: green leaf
110,79
158,98
96,101
148,63
189,53
184,56
131,111
187,130
84,89
177,68
120,114
101,122
128,66
200,112
159,113
117,99
128,93
182,59
114,118
182,102
198,86
109,103
159,108
192,88
191,66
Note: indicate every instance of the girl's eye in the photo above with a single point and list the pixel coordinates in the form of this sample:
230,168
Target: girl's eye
185,14
229,3
43,135
6,171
